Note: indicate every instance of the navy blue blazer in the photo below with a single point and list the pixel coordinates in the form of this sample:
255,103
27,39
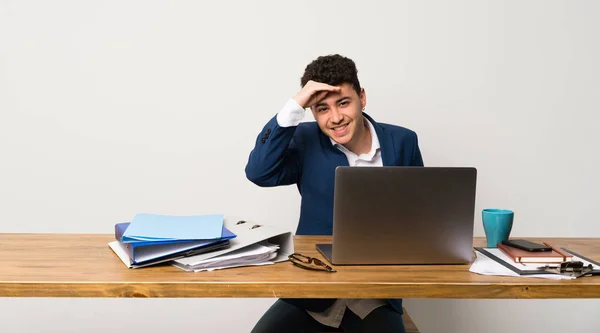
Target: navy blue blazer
303,155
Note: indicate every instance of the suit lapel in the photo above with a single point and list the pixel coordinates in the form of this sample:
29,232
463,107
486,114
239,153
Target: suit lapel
388,152
334,155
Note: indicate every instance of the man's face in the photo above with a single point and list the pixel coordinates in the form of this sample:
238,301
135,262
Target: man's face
339,114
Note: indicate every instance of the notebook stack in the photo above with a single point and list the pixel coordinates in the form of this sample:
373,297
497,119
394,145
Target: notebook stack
556,255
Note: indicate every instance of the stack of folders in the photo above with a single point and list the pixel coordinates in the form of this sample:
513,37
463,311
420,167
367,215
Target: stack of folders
199,243
150,239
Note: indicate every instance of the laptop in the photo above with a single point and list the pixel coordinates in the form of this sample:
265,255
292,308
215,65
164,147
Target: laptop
402,215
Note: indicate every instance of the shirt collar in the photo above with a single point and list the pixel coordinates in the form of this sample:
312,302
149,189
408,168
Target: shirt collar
374,140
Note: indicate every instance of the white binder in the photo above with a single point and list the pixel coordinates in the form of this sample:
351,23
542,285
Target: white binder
250,236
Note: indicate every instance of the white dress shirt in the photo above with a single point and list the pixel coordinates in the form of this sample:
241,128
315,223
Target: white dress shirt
291,115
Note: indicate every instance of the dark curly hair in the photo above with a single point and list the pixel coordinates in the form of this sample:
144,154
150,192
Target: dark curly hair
333,70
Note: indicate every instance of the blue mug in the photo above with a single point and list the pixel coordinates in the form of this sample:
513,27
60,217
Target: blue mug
497,224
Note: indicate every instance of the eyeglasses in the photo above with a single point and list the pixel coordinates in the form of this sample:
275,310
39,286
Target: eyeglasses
311,263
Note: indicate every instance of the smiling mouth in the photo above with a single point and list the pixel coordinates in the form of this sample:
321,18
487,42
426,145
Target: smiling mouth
340,128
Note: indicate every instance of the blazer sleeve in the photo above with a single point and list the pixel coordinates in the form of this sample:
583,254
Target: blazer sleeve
417,158
275,158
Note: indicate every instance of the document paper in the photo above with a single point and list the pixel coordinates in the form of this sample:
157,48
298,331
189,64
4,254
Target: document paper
255,254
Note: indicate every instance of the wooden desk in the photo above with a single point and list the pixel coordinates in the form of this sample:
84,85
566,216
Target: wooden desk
63,265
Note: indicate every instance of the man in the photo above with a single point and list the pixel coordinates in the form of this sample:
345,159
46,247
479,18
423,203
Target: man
306,154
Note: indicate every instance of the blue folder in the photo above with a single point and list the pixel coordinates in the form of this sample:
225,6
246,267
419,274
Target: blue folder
155,227
145,252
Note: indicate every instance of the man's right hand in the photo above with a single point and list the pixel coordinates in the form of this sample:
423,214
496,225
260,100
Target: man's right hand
313,92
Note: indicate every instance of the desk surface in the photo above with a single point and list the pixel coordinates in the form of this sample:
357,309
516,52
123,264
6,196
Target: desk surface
69,265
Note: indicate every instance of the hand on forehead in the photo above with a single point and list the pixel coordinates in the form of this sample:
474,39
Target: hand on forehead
330,97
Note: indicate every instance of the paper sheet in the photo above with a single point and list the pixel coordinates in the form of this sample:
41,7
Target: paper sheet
487,266
233,266
212,268
255,254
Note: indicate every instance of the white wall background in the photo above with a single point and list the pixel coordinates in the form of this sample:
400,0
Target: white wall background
110,108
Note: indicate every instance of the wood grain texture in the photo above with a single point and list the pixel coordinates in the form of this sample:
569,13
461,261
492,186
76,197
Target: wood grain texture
71,265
